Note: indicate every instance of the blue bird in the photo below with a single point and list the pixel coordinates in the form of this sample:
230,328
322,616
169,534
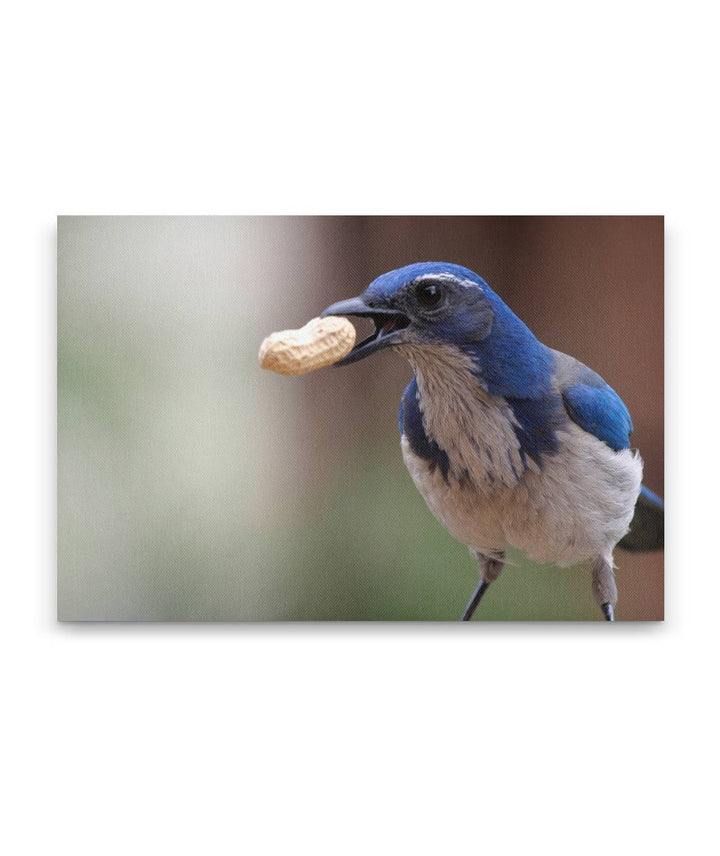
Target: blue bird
509,442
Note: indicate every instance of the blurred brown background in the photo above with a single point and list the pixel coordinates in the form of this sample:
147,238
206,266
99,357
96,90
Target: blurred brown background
215,491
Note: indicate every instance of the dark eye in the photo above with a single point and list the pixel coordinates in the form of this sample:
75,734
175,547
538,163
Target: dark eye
429,294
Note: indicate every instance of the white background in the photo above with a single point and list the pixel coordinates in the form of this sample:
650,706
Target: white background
368,739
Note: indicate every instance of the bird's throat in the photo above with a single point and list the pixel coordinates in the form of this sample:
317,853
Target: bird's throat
474,428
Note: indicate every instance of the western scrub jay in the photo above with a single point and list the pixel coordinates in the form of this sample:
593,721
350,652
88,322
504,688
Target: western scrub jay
508,441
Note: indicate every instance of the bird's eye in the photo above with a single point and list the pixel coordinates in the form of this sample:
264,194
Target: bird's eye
429,294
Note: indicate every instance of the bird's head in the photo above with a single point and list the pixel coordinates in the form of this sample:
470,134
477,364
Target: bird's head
429,304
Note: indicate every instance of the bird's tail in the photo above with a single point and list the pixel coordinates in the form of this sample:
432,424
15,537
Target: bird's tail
647,530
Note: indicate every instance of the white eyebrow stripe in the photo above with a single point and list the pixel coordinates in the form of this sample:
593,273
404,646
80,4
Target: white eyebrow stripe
448,277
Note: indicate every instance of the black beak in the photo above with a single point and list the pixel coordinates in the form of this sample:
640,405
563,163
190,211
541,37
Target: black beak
388,325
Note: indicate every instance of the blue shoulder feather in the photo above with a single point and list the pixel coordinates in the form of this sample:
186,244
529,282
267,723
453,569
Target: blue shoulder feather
599,410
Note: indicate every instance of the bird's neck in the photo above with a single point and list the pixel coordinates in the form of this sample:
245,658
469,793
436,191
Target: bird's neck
510,361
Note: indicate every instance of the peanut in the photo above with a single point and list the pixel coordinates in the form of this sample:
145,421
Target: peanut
321,342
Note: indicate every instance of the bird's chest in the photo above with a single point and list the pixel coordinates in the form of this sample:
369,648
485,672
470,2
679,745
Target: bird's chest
472,432
471,515
461,449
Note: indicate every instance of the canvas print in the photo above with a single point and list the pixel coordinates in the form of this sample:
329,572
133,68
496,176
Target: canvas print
360,418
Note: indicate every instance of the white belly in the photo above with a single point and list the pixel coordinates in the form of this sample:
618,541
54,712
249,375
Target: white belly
577,507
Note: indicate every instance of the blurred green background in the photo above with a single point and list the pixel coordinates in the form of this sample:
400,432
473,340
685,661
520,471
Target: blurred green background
194,486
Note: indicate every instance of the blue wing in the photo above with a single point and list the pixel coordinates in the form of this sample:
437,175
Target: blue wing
599,410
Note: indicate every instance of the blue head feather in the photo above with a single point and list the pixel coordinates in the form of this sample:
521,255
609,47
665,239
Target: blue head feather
509,360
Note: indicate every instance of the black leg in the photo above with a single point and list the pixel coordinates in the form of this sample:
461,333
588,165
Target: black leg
608,611
490,568
603,585
475,600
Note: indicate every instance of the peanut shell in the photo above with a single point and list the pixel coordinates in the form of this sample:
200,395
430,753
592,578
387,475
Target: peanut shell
321,342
